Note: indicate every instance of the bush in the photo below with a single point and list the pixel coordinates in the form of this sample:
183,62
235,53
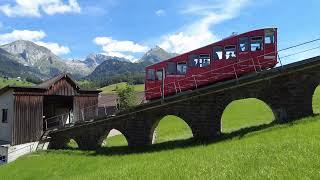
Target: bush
86,84
33,80
127,97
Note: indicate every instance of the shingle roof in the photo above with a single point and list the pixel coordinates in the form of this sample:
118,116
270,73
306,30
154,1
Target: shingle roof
47,85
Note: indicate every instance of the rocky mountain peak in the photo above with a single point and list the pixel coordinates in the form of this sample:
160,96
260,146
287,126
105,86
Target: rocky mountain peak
94,60
156,54
29,51
31,54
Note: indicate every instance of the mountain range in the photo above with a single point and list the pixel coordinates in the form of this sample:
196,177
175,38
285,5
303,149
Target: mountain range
30,54
27,59
10,67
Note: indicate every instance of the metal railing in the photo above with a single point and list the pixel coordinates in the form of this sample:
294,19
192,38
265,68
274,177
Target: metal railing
88,114
157,91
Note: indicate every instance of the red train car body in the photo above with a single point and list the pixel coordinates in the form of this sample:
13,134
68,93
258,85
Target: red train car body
226,59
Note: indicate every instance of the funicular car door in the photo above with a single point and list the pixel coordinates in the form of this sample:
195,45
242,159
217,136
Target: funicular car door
270,48
151,90
257,50
175,70
160,76
224,60
199,67
245,61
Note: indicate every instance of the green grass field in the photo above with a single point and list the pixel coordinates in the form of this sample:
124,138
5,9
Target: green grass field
111,88
13,81
253,147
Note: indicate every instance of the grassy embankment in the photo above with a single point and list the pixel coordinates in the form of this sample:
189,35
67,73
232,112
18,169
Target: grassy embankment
13,81
111,88
252,148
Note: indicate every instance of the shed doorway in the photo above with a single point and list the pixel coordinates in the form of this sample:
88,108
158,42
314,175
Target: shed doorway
57,111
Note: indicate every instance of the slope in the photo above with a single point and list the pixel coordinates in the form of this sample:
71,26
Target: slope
263,150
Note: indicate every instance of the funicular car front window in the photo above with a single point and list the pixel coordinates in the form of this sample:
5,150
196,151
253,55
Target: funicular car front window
269,38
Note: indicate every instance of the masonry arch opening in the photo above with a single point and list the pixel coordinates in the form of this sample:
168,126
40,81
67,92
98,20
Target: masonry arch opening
245,113
170,128
114,138
316,101
72,144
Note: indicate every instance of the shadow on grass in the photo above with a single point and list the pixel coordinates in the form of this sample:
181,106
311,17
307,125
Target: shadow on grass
169,145
187,143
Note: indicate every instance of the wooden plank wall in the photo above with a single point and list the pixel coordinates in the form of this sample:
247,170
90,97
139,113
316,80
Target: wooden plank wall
27,123
62,88
88,103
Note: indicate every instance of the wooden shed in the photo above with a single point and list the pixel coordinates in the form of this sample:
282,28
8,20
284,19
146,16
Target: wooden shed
27,111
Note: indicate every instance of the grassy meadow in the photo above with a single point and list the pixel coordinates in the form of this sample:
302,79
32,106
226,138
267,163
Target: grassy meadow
252,147
14,81
111,88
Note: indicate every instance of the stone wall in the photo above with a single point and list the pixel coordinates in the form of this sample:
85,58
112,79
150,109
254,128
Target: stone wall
286,90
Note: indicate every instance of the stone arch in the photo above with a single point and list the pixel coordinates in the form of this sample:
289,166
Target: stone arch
245,112
113,133
290,97
183,125
59,142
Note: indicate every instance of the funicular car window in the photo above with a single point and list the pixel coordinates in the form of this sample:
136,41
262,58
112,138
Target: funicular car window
204,60
172,68
159,74
217,53
230,52
201,60
191,62
256,43
269,38
243,44
181,68
150,75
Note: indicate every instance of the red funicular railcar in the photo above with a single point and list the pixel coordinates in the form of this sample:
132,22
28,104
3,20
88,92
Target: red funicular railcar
229,58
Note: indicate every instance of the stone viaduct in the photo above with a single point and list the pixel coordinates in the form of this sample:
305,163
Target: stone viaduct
287,90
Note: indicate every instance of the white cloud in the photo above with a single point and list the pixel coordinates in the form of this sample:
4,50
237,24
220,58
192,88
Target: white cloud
54,47
21,35
110,44
121,55
117,48
34,8
34,36
160,12
198,33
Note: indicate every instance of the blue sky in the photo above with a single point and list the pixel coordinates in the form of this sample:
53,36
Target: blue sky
76,28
